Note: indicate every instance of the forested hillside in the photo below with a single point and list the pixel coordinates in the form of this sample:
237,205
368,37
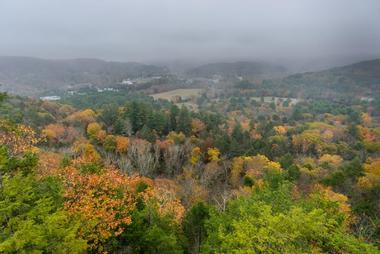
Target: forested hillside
361,78
238,69
130,174
32,76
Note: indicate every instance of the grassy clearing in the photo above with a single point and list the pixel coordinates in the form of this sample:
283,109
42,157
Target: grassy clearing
177,92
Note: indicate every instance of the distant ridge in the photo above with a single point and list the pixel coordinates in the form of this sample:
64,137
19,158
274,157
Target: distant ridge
362,78
28,75
242,68
357,71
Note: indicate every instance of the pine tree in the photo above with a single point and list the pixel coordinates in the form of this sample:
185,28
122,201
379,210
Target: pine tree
173,118
184,121
194,226
147,134
137,116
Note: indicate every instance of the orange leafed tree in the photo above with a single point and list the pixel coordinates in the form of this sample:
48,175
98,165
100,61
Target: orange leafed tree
54,132
85,153
49,163
165,193
366,119
122,144
17,138
103,201
280,129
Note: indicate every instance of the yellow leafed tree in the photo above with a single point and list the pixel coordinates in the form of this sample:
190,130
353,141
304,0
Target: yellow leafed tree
122,144
195,155
213,154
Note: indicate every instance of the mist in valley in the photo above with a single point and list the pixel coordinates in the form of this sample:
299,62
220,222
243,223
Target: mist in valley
304,35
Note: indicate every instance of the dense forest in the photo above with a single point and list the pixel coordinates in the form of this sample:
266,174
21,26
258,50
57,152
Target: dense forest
189,127
120,172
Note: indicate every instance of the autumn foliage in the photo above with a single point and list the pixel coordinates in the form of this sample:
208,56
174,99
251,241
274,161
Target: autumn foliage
104,201
17,138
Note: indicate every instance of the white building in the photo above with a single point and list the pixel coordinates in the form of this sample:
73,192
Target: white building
50,98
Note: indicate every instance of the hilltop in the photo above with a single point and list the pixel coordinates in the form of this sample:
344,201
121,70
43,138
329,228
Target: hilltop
361,78
238,69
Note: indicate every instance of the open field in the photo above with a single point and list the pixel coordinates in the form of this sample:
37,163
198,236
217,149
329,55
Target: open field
269,99
178,92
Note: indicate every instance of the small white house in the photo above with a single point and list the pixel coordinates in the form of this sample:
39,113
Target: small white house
127,82
50,98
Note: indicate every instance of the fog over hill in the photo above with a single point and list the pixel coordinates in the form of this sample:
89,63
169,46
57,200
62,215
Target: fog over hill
363,74
33,76
238,69
183,36
197,30
358,79
27,75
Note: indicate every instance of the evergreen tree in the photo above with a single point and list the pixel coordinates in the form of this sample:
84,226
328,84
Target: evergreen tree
110,115
194,226
158,121
184,121
137,115
147,134
173,118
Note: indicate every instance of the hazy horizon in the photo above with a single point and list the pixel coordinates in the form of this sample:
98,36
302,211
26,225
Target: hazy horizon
199,31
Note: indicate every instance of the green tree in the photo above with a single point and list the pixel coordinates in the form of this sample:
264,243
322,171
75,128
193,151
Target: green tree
110,143
137,115
149,232
173,114
194,226
184,121
147,134
110,115
271,221
3,96
346,176
158,121
31,212
293,172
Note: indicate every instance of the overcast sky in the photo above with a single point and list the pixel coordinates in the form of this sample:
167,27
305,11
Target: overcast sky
150,30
